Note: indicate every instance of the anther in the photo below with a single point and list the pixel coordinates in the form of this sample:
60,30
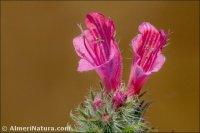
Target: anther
152,49
147,47
99,40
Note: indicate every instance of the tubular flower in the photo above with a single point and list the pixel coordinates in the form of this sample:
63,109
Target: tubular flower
97,102
119,99
147,47
99,50
105,118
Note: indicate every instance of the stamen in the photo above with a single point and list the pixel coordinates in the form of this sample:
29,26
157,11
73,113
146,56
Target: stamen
146,47
152,49
99,40
86,47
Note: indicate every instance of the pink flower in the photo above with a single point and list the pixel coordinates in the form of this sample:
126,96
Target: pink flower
97,103
119,99
99,51
105,117
147,47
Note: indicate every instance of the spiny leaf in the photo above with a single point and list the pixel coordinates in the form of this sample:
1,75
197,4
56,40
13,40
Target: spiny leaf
128,118
83,114
73,116
92,95
101,86
128,129
106,111
99,113
142,94
84,121
145,107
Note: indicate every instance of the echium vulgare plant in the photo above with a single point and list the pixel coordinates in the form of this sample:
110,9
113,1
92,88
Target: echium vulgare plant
116,107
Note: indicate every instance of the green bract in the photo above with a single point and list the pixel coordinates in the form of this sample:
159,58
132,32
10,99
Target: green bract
127,118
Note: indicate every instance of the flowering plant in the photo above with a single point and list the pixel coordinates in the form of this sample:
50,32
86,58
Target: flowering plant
116,107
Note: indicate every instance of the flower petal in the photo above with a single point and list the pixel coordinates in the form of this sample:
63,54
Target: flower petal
97,22
163,37
146,26
136,80
160,60
99,50
84,65
97,102
119,99
111,27
82,50
94,20
136,43
147,47
110,72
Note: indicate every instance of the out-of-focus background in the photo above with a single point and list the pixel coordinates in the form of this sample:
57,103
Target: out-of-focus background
39,81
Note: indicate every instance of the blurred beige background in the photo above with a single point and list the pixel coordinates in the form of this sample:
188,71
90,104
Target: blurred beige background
39,81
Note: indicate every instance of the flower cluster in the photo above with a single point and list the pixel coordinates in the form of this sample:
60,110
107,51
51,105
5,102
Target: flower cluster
99,51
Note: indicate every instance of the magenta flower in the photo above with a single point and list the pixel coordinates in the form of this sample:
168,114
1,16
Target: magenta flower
99,50
105,118
119,99
97,103
147,47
